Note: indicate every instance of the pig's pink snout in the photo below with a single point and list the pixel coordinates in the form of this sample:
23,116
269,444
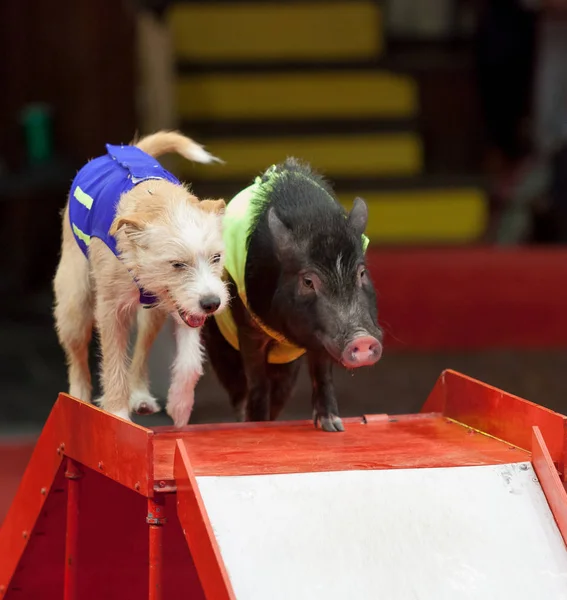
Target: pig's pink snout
363,351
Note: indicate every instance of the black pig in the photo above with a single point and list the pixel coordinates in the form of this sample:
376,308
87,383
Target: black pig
298,282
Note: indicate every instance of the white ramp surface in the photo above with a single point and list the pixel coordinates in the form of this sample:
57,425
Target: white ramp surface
407,534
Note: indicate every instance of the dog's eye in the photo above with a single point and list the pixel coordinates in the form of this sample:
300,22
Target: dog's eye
216,258
178,265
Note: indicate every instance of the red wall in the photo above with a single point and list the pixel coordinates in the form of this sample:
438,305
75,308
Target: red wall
465,299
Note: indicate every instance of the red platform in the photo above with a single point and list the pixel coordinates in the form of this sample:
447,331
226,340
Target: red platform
108,509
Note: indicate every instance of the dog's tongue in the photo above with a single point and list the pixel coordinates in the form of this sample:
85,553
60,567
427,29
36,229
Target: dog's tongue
193,320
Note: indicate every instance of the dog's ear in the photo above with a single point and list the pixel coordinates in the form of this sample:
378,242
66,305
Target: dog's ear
213,206
135,222
193,200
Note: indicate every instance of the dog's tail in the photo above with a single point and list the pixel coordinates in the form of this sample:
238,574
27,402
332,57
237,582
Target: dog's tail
166,142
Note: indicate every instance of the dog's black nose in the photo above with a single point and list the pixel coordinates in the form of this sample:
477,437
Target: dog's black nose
209,303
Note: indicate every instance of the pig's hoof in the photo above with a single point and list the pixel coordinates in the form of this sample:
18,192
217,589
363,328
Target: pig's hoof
329,423
240,412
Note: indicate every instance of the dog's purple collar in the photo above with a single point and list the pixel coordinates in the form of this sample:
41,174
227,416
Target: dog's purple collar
146,300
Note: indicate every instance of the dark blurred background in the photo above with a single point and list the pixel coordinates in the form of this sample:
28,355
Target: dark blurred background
448,116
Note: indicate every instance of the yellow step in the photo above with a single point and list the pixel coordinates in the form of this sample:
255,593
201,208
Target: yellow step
424,216
269,31
363,155
300,95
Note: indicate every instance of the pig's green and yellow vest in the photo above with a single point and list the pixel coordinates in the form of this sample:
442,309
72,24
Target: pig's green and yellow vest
238,222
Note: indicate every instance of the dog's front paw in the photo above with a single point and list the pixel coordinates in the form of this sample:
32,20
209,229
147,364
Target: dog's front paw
122,413
179,409
143,403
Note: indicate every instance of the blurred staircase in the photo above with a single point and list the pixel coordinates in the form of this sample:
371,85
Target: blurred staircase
259,81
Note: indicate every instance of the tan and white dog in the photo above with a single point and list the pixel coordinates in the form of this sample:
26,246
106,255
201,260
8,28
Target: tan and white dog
135,238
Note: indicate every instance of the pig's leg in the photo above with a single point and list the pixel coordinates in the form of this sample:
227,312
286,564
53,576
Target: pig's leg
253,348
227,365
282,381
325,408
253,345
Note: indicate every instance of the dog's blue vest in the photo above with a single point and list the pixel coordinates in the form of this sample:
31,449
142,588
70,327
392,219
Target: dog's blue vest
97,188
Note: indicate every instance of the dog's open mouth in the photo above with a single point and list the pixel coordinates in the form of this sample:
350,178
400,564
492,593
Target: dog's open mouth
192,320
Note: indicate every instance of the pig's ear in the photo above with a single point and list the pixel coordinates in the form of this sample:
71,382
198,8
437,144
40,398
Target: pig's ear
358,216
281,235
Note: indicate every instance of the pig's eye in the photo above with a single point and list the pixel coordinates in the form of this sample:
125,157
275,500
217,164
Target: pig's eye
308,283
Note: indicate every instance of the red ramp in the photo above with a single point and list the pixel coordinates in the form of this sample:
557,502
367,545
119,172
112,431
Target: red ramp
108,509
